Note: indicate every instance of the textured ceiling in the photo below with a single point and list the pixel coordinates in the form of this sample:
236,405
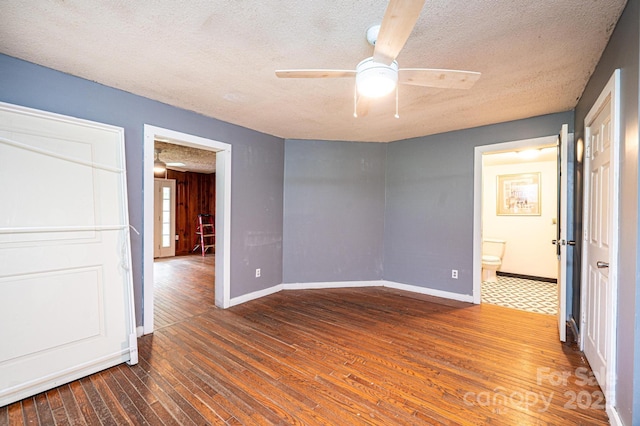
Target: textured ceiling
193,159
218,57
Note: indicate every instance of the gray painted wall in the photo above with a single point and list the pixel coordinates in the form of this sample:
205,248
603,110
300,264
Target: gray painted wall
333,211
401,212
429,209
623,51
257,163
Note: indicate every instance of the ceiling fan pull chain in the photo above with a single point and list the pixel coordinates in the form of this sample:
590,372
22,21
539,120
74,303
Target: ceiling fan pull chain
355,101
396,116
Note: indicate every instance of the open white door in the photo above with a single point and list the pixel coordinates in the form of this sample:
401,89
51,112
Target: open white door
561,236
66,295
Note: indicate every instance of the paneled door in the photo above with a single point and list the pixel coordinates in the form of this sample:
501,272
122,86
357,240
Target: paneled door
164,210
600,241
66,295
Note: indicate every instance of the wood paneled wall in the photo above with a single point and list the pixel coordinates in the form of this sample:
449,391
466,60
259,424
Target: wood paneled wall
195,194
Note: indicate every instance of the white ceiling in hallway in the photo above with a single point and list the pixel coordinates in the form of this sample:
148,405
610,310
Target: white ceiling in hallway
218,58
533,154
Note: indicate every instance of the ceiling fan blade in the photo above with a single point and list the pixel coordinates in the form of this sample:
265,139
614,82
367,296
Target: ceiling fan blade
315,73
398,22
445,79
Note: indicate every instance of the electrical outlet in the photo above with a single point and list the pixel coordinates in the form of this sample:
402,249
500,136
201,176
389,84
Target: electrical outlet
258,272
454,274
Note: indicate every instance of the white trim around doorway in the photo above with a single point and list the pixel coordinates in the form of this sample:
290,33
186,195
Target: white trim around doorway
223,215
477,198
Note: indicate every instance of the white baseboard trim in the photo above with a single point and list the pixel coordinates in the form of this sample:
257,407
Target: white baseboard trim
350,284
614,417
139,331
430,291
574,330
255,295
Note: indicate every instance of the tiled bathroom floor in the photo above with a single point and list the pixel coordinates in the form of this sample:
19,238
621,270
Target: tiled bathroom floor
526,295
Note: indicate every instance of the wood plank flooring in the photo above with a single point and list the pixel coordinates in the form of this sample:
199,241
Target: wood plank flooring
183,287
370,356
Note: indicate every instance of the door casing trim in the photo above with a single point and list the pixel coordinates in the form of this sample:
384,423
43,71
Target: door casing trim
223,215
477,198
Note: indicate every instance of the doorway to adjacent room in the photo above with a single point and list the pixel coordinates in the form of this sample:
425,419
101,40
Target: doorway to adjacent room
221,262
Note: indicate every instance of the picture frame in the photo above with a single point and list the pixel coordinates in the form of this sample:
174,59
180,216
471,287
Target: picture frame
518,195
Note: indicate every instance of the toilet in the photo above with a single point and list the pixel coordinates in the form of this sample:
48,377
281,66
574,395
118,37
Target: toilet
492,253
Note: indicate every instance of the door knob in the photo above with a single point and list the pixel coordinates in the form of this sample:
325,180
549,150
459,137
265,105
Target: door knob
571,243
554,242
600,264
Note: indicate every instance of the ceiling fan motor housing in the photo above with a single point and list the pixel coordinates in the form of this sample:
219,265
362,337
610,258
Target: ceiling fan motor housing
374,79
372,34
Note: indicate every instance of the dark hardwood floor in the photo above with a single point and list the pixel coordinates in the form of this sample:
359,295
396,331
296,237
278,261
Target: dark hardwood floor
183,287
342,356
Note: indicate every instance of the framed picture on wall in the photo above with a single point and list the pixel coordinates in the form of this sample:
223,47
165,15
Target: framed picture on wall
518,195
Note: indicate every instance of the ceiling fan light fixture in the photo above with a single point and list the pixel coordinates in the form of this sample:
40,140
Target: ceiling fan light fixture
158,165
374,79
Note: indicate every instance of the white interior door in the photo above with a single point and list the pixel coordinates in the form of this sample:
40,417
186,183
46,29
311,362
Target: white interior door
66,295
164,227
561,239
600,241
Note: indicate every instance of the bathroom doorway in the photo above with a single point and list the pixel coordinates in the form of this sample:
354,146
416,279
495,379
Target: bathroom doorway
480,203
519,221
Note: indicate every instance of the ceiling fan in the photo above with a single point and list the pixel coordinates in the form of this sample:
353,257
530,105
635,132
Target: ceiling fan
379,75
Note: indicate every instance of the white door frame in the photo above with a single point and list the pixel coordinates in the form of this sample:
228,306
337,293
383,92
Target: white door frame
611,90
223,215
477,199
